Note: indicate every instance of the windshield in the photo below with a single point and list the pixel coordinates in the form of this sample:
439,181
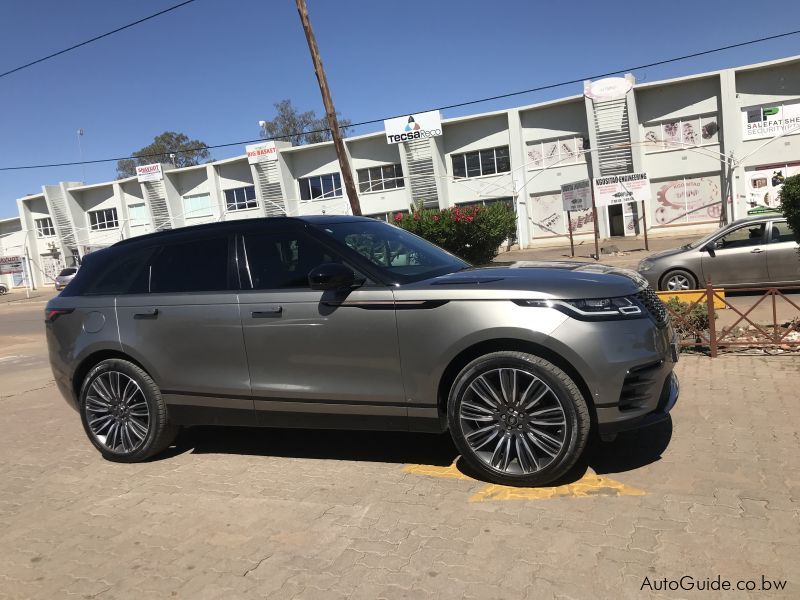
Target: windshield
401,256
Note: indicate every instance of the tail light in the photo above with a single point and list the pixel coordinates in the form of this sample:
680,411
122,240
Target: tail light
51,314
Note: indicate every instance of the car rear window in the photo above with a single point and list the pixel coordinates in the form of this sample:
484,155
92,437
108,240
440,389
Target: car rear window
66,272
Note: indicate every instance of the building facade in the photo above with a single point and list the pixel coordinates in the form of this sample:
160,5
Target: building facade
714,146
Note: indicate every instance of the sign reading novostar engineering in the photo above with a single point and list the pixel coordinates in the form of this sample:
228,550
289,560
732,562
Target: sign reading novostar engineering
149,173
263,152
10,265
618,189
770,120
577,196
413,127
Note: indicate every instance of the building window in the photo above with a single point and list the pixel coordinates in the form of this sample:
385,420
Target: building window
389,217
241,198
482,162
103,219
378,179
44,228
557,152
137,214
679,133
320,187
199,205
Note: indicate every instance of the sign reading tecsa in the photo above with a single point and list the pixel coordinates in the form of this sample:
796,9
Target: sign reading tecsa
618,189
577,196
768,121
413,127
609,88
10,265
263,152
149,172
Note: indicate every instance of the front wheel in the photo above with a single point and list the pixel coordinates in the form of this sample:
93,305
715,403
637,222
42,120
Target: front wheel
123,412
517,419
678,281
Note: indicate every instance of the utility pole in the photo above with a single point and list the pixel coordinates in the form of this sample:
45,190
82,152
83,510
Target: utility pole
330,111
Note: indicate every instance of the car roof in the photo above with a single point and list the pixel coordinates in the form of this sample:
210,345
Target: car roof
757,219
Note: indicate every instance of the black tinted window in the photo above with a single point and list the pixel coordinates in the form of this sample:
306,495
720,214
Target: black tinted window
281,260
65,272
196,266
126,273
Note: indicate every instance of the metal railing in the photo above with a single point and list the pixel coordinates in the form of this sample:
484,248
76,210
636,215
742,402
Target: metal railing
775,333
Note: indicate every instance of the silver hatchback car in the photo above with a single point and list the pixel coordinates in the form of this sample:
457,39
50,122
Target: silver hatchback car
64,277
349,322
754,251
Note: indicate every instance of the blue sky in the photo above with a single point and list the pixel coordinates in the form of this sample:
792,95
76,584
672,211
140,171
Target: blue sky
214,68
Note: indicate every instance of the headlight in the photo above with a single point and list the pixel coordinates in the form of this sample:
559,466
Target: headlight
645,265
593,309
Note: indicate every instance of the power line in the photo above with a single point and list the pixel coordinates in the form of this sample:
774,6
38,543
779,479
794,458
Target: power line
449,106
94,39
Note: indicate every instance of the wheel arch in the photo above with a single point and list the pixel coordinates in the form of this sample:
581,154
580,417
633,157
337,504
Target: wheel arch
508,344
93,359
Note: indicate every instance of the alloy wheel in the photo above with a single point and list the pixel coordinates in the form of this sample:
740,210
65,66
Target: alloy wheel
677,282
117,412
513,421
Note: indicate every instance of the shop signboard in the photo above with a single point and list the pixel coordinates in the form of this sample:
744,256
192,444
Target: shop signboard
619,189
408,128
769,120
609,88
257,153
149,173
10,265
577,196
764,185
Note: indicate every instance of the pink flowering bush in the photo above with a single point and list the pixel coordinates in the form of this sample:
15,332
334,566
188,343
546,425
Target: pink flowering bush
473,233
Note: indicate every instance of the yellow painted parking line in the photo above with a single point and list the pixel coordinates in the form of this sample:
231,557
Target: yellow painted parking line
590,485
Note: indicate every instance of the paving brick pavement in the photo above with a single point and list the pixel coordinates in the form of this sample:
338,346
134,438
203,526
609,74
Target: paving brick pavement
245,513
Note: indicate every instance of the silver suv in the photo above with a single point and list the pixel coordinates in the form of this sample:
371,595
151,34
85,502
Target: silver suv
348,322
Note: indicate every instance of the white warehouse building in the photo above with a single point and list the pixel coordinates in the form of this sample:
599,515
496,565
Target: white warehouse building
714,146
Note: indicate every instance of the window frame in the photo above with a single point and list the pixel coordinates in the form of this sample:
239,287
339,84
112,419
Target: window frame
95,224
41,229
579,142
466,157
132,222
372,184
335,175
237,205
663,146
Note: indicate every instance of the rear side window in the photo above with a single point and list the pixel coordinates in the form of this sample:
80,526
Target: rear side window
125,274
781,233
196,266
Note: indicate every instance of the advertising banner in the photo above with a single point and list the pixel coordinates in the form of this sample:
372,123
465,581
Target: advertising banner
764,185
618,189
577,196
413,127
609,88
264,152
770,120
10,265
149,173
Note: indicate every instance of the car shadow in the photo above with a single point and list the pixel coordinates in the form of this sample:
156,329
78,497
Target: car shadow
630,451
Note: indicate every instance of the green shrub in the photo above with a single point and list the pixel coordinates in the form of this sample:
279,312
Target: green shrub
473,233
790,203
690,319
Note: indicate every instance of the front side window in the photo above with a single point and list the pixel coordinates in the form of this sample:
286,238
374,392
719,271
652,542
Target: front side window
741,237
378,179
44,228
240,198
279,260
401,256
320,187
103,219
196,266
482,162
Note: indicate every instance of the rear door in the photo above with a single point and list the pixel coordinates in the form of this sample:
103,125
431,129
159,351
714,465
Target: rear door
187,331
783,259
738,257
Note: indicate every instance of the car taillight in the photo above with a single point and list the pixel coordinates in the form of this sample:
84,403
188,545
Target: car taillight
51,314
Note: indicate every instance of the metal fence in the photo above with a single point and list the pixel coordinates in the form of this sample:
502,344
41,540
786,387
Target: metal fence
744,332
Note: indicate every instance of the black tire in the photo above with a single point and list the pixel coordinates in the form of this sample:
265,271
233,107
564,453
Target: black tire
144,397
677,275
560,398
3,289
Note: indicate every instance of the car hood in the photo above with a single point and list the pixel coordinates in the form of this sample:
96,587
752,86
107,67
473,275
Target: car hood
665,253
565,280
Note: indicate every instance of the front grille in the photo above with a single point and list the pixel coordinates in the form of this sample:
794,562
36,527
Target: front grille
653,304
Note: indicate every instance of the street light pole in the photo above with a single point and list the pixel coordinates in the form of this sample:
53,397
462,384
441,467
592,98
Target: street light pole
330,111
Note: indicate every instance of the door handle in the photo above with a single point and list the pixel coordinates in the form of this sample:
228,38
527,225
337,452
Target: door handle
150,314
756,251
270,311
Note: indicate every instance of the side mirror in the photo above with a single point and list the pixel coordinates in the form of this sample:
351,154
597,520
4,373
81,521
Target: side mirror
710,247
331,276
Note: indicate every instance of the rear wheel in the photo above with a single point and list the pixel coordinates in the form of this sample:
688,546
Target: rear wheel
3,289
517,419
677,281
123,412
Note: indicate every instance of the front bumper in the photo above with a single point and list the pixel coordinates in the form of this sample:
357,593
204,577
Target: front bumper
667,400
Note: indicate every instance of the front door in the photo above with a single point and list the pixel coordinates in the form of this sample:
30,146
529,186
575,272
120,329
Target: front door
737,257
783,254
187,332
331,358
